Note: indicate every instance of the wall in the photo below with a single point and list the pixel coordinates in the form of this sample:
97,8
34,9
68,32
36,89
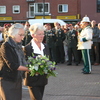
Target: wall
89,7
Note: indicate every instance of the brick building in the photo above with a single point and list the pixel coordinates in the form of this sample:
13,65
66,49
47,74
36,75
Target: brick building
90,8
13,10
22,10
67,10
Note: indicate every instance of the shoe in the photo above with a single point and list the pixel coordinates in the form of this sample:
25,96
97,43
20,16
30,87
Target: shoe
82,69
76,64
95,64
86,72
92,63
69,64
62,62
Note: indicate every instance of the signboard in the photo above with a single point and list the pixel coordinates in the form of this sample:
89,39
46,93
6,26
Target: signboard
5,18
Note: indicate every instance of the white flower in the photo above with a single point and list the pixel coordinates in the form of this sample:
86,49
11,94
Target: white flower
36,67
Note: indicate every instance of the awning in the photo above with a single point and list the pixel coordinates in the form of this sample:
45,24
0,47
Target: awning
12,21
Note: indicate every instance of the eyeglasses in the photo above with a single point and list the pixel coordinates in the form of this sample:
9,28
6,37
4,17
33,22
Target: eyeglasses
21,34
40,34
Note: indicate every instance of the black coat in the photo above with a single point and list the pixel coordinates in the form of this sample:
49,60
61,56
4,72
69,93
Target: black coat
60,37
72,39
39,80
9,62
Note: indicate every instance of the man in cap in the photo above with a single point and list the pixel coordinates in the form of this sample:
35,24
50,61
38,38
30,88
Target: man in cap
85,43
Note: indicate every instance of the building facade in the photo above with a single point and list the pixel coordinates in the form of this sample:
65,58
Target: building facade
90,8
13,10
22,10
67,10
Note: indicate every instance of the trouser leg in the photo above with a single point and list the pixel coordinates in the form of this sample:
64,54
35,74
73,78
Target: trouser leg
86,60
36,93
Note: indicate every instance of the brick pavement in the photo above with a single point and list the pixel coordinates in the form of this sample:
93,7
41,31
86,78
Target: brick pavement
71,84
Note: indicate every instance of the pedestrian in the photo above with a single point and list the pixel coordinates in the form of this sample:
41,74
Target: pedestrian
85,43
12,63
36,84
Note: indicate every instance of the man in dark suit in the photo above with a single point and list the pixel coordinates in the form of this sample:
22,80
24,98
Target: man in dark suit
72,45
50,39
60,37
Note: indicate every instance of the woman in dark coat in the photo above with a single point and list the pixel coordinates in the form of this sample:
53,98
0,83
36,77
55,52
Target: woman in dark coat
12,63
36,84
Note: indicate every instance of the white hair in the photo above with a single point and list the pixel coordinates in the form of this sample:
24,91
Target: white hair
14,29
37,26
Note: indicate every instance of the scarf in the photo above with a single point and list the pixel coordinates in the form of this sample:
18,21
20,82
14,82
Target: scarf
20,54
19,51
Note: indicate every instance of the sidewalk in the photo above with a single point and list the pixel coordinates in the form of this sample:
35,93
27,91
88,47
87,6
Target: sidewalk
71,84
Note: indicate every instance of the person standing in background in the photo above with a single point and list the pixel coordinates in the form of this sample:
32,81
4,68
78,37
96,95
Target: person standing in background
60,37
66,29
79,29
99,39
95,46
72,45
50,39
27,37
85,44
6,28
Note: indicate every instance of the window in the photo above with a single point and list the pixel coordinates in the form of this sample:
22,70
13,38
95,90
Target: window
62,8
39,7
31,10
2,9
16,9
98,6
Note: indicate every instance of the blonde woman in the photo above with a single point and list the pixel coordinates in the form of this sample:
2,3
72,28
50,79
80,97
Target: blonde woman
36,84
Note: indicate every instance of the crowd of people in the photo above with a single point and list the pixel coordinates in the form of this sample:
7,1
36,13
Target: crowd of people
63,42
67,43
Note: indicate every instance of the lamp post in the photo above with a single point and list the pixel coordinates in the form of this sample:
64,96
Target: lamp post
43,9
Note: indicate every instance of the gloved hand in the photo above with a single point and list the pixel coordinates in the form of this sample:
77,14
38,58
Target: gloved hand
81,40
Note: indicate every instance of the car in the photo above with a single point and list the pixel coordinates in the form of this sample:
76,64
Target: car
45,21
